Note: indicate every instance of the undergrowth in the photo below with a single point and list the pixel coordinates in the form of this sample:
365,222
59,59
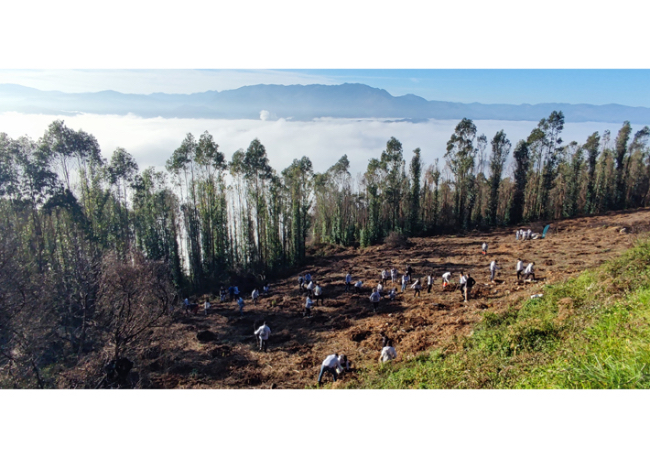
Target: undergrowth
587,332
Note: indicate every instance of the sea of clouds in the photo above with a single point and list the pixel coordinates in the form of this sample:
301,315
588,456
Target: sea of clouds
152,140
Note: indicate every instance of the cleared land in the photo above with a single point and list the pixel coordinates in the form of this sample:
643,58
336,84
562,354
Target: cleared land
346,323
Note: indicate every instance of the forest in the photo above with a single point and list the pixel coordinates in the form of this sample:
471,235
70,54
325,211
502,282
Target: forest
95,253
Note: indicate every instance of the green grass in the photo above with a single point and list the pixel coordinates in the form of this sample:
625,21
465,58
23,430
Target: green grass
588,332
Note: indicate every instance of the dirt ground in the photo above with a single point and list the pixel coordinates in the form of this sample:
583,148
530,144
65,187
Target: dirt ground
346,323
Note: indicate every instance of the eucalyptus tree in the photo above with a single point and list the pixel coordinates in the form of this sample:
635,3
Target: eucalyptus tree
521,156
591,146
299,184
500,150
415,220
460,155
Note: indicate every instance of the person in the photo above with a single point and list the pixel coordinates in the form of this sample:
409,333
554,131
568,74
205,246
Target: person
520,268
528,273
266,290
307,277
374,299
528,234
348,281
393,275
385,275
330,364
380,288
409,271
231,292
517,234
301,282
493,269
186,303
236,291
310,288
392,294
357,286
429,282
263,333
446,279
461,283
484,248
254,295
240,303
206,306
405,281
469,284
308,304
222,294
388,352
417,287
318,294
382,274
345,363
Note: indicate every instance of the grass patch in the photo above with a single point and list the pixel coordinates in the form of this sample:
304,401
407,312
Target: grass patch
587,332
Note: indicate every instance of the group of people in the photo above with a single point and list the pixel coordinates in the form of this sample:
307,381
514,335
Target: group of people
525,234
313,292
337,365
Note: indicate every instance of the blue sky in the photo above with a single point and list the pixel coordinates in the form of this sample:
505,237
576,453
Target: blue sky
598,87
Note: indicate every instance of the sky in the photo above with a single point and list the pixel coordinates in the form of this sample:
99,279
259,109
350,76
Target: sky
508,86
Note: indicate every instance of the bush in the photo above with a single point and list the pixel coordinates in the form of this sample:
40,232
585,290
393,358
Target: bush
396,240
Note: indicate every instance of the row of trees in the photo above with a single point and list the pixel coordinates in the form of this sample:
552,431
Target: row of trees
94,251
549,180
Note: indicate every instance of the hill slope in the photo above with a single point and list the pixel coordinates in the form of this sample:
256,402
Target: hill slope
346,323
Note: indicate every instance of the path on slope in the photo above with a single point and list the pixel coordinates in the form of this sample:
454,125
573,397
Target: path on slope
346,323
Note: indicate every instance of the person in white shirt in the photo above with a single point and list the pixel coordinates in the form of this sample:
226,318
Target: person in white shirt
357,286
380,288
528,273
388,352
318,294
528,234
484,248
263,333
429,282
405,281
330,364
206,306
520,268
348,281
417,288
310,288
308,304
374,299
517,234
393,275
385,275
461,283
493,269
254,295
392,294
446,279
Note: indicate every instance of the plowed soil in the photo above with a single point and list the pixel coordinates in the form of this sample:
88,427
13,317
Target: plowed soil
346,323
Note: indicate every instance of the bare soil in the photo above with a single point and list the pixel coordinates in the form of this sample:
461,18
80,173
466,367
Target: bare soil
227,356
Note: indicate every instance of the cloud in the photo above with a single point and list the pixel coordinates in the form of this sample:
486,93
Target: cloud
324,141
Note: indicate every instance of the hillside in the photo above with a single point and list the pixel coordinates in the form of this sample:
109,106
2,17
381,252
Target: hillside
346,323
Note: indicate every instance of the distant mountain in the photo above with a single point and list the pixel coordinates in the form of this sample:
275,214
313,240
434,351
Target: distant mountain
298,102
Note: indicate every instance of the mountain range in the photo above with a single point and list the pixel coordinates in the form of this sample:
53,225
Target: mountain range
299,102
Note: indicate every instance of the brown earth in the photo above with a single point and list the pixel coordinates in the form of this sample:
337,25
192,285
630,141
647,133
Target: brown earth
228,358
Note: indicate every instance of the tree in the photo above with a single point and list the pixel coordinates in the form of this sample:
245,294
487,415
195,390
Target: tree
415,224
460,156
500,150
591,147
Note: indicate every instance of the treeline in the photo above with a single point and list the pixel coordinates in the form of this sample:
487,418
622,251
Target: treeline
94,252
549,181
